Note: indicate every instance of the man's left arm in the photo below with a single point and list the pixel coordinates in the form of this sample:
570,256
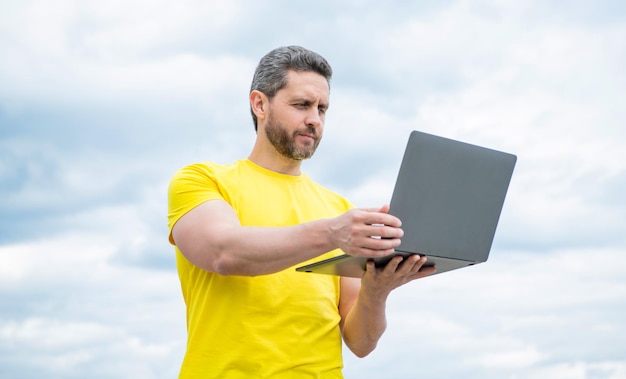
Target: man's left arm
362,301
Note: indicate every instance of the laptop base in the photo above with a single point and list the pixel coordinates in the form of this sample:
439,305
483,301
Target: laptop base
351,266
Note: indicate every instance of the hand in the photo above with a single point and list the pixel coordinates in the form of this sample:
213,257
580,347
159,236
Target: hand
367,232
379,282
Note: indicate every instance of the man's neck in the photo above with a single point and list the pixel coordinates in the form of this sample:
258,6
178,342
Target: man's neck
276,162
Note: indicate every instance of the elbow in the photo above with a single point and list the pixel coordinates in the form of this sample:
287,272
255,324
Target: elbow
362,354
225,266
362,351
361,347
217,260
211,260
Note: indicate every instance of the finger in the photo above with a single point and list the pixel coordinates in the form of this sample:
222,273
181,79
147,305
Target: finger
411,265
370,253
370,269
424,271
419,262
392,265
374,216
383,231
382,209
378,243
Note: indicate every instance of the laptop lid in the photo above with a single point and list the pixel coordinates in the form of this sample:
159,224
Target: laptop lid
449,195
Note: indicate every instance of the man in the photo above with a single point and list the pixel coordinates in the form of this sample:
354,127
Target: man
241,228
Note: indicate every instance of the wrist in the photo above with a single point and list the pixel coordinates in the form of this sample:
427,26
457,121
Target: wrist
320,234
373,296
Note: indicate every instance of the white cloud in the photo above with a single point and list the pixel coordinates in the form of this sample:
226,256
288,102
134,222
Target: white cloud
94,53
102,101
64,348
513,315
85,313
580,370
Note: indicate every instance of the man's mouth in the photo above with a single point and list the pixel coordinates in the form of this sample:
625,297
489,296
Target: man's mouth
307,136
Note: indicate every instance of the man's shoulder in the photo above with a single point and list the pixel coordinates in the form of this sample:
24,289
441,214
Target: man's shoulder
208,168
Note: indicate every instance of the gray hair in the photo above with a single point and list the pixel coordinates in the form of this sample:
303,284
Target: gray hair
271,74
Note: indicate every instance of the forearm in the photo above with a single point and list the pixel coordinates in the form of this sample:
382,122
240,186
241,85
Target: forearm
365,323
362,303
250,250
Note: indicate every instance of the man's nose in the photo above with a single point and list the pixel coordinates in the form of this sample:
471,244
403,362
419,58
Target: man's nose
314,118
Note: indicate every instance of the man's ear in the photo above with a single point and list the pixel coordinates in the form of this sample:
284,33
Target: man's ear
259,104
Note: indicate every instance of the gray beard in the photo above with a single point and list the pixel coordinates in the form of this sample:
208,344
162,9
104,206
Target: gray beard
285,144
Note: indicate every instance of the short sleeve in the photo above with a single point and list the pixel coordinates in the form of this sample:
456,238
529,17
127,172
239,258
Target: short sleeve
190,187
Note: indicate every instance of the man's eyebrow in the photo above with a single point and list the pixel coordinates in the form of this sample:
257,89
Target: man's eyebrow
308,101
301,99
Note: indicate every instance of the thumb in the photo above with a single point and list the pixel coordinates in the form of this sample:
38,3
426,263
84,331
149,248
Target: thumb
383,209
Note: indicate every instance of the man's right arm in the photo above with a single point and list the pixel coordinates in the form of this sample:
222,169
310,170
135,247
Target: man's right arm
211,237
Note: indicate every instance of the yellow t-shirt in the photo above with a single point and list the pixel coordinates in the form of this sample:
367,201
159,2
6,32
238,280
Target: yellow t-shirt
283,325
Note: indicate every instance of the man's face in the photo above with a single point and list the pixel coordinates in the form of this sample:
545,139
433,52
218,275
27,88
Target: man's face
296,114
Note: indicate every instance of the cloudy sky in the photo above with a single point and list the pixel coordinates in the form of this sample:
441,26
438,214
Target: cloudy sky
102,101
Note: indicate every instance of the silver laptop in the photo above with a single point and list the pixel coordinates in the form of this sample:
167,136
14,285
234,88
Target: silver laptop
449,196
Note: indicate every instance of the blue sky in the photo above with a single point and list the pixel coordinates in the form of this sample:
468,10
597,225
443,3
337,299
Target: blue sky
101,102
